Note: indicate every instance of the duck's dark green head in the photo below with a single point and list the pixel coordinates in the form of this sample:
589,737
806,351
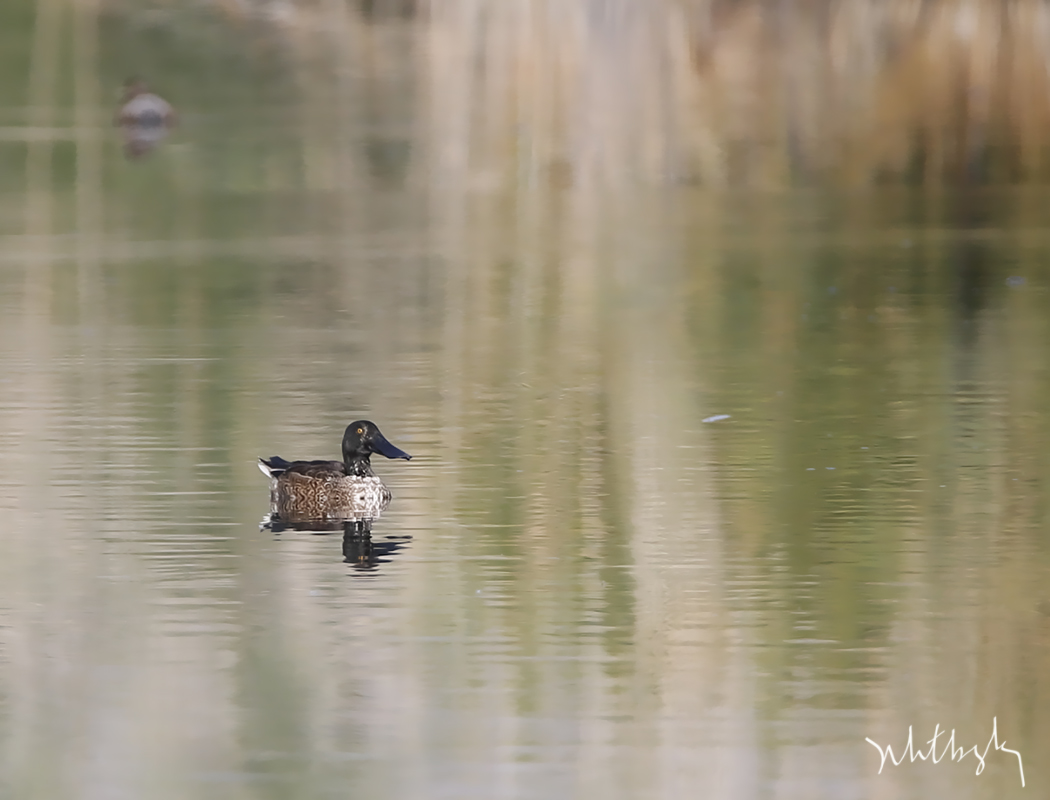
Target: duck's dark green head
362,438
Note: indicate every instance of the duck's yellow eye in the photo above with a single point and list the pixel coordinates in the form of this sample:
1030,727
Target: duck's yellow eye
360,431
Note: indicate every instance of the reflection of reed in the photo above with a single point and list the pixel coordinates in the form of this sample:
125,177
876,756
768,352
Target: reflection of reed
565,395
532,300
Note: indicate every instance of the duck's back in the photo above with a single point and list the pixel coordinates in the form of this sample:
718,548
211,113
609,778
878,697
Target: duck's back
277,468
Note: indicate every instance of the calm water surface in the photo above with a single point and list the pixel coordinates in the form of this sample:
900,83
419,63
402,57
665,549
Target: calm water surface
706,488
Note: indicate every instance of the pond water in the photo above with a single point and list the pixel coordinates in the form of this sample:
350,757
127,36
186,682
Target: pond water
707,488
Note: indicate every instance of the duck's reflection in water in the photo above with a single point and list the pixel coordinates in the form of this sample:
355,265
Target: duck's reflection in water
359,549
366,554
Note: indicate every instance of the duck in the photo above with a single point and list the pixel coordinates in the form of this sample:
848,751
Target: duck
333,490
145,118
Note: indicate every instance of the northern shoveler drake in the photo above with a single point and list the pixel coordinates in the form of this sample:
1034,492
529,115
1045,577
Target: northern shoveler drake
327,490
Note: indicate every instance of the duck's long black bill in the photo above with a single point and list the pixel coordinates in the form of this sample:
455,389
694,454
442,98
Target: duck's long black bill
380,445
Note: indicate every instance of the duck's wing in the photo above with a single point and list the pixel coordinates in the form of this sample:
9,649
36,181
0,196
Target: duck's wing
311,469
274,466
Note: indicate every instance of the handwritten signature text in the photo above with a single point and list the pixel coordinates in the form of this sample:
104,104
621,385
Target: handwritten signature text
958,753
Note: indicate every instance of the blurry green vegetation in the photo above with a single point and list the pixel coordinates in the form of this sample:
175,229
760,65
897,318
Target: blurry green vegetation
16,27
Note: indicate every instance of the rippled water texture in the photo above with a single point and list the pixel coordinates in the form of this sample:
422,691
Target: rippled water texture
707,487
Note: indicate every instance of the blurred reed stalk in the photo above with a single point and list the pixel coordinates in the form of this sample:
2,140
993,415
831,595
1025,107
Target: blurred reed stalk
43,77
87,121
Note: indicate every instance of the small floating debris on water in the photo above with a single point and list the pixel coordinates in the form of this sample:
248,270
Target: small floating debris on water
829,468
1015,281
717,418
810,469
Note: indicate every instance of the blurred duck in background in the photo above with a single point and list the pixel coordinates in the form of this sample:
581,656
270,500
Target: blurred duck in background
145,118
